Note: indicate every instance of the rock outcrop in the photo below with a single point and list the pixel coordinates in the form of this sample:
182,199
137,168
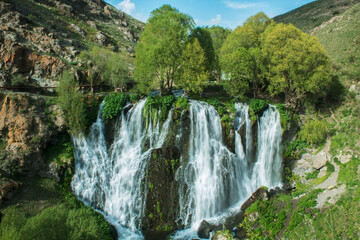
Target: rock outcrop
39,39
26,126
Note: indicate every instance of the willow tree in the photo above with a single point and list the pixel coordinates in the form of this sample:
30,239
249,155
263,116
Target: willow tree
299,66
160,48
193,73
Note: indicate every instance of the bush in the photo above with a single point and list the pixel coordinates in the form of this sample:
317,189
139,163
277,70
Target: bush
58,222
285,115
18,80
182,103
134,97
257,105
113,106
314,132
71,103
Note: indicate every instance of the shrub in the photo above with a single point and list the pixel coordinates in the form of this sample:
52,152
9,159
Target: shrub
71,103
18,80
182,103
134,97
314,132
58,222
113,106
257,105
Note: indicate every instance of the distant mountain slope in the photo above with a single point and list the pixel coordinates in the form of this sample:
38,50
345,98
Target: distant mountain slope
39,38
313,14
341,38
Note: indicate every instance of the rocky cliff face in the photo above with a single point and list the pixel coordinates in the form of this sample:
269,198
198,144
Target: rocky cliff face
27,124
39,38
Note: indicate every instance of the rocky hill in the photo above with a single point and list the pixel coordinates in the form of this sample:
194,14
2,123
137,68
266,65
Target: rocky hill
39,38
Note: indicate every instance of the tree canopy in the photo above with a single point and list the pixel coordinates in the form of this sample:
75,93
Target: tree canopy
160,48
194,74
298,65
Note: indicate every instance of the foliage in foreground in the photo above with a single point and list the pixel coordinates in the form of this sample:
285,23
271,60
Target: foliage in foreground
58,222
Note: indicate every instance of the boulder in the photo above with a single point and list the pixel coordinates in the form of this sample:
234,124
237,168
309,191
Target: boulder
261,193
205,229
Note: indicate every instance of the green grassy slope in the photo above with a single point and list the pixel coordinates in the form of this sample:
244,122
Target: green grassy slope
342,40
311,15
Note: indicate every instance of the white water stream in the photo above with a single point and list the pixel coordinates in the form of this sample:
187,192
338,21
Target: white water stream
211,180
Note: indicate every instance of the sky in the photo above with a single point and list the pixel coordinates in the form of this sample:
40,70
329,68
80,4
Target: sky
225,13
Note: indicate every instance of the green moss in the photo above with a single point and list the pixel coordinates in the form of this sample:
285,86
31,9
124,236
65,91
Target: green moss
151,186
151,215
158,207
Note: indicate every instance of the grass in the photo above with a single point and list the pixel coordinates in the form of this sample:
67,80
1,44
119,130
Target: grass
311,15
343,47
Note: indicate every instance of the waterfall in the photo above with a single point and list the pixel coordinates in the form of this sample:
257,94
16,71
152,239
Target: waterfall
111,179
211,178
267,169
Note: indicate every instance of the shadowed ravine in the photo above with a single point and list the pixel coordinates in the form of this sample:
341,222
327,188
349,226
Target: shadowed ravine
210,178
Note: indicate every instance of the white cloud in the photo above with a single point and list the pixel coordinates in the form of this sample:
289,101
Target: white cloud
126,6
216,20
238,5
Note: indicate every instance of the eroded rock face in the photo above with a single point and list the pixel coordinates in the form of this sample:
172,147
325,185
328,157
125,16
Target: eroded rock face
162,190
25,129
38,42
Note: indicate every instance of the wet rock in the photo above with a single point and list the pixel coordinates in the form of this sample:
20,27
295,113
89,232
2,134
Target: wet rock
161,188
260,193
205,229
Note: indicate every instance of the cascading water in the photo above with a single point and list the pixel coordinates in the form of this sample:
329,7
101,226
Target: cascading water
110,179
211,178
267,169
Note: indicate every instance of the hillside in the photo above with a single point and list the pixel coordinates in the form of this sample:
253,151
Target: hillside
313,14
38,39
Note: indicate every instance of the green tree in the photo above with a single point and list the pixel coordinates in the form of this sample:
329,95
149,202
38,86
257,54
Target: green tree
299,66
193,74
105,66
116,71
94,61
160,48
204,38
71,103
248,37
218,35
239,68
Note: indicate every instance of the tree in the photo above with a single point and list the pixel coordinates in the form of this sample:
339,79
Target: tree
248,38
116,71
299,66
218,35
94,61
106,66
70,102
239,67
193,74
160,48
204,38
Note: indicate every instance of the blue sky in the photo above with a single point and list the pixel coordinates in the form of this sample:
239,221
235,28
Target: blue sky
225,13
